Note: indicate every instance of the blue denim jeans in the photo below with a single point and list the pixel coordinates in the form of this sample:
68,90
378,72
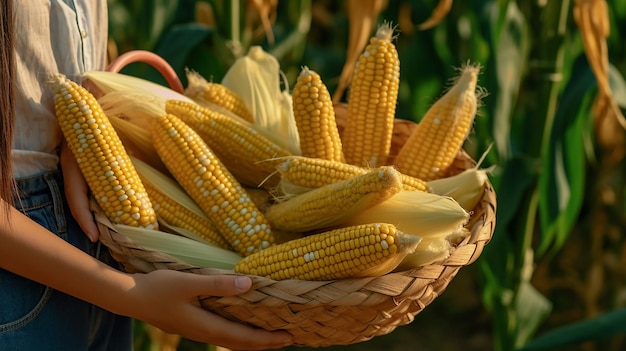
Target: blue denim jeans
36,317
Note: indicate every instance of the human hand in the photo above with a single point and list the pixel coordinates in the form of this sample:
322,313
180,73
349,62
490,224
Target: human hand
168,300
76,193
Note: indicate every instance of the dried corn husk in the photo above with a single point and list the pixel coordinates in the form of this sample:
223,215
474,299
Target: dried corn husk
256,78
416,212
466,187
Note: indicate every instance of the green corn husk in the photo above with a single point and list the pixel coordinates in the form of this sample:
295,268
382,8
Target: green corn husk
187,250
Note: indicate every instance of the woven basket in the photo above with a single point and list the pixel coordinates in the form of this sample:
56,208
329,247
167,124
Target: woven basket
325,313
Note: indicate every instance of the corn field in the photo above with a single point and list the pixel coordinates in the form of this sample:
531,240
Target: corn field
550,128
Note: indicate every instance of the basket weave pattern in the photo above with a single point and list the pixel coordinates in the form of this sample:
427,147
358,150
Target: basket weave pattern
324,313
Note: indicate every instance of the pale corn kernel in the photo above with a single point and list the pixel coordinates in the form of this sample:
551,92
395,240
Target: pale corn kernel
330,204
434,143
183,151
96,146
309,172
175,214
208,94
250,156
336,254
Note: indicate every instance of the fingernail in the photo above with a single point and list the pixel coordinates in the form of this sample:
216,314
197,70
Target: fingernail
93,237
243,283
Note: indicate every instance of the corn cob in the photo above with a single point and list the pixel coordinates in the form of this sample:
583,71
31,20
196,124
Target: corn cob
372,102
261,197
331,204
211,185
360,251
315,118
248,155
174,206
308,173
139,143
434,143
102,159
209,94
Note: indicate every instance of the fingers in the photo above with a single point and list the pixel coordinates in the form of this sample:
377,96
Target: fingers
181,314
236,336
76,191
213,329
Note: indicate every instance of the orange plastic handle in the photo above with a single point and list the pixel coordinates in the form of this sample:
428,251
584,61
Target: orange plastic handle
153,60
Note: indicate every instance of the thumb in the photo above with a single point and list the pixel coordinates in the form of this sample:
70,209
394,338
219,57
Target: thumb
221,285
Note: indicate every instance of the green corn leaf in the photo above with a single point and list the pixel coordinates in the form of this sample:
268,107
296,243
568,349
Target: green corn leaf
602,327
562,180
532,309
176,45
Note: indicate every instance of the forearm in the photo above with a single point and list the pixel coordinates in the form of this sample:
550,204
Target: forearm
31,251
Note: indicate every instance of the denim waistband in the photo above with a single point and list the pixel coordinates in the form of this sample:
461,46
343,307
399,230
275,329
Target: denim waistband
42,198
38,190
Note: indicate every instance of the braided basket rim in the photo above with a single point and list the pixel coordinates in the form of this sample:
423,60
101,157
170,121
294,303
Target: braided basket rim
338,312
324,313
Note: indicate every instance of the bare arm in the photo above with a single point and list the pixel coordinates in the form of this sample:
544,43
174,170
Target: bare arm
166,299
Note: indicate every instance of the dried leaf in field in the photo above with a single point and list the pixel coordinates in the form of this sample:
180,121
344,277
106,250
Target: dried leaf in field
438,14
592,19
266,10
362,16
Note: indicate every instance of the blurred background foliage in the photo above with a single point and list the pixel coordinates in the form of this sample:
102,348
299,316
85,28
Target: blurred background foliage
554,275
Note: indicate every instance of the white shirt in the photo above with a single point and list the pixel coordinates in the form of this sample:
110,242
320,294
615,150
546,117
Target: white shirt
52,36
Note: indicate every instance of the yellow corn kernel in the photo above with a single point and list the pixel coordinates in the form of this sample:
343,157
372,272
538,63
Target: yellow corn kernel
209,94
361,251
307,173
174,207
435,141
211,185
261,197
175,214
315,118
372,102
332,204
248,154
101,157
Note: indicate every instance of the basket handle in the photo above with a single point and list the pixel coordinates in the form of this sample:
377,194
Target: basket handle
153,60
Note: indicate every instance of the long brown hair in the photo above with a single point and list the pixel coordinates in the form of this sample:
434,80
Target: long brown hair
7,101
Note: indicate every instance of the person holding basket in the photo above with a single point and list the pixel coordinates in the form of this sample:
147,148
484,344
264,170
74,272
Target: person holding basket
59,287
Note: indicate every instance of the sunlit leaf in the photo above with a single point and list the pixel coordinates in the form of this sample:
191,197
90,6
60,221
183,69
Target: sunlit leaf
602,327
510,48
516,180
562,180
176,44
532,309
618,86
